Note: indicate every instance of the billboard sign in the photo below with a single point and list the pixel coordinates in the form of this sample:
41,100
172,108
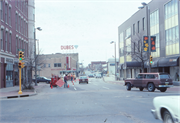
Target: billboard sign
69,47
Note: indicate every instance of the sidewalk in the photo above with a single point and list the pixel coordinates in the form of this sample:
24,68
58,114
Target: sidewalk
12,92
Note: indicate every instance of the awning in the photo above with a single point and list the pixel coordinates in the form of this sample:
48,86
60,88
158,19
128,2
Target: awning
133,64
154,64
169,61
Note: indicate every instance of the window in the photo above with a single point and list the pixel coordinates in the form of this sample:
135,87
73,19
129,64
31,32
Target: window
138,26
59,64
164,77
44,65
16,22
48,65
16,45
140,76
19,44
1,9
133,29
150,76
9,16
2,39
6,12
19,23
10,42
143,22
6,36
55,65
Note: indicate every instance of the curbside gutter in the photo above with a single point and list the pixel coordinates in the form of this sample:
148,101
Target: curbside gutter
19,96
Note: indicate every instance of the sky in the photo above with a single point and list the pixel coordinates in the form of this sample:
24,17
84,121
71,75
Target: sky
90,24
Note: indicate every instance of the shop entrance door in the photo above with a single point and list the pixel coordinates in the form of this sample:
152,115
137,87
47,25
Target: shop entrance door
9,75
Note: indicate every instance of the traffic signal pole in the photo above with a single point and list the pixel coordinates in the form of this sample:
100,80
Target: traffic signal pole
20,92
20,65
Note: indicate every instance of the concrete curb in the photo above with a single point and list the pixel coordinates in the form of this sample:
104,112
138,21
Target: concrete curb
19,96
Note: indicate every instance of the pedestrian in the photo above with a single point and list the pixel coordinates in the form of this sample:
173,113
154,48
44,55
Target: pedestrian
65,80
71,77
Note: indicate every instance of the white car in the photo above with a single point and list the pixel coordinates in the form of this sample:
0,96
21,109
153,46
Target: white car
167,109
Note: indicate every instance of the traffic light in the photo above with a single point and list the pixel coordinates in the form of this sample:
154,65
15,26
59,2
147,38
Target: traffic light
22,65
21,55
19,65
151,59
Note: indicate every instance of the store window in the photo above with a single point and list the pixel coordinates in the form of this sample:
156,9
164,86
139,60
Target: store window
9,72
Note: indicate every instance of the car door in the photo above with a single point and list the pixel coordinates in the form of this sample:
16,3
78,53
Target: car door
138,80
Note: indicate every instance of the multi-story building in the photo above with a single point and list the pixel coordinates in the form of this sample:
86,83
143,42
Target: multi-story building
57,64
159,18
14,37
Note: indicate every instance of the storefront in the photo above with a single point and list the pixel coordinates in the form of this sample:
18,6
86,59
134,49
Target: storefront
9,72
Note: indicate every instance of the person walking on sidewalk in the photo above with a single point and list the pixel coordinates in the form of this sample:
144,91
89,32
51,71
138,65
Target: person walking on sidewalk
65,80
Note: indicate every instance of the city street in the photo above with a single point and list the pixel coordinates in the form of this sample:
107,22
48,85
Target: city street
96,102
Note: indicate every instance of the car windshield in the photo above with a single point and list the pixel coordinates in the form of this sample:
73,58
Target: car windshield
83,77
165,76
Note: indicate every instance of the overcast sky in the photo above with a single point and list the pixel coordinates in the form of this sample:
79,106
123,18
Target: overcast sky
90,24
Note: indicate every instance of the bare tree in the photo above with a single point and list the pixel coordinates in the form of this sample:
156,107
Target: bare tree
136,50
30,63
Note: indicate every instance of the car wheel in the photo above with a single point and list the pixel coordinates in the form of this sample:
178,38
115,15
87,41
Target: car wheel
167,118
141,88
163,89
128,86
151,87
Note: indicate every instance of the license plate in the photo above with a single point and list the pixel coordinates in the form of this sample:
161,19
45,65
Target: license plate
166,83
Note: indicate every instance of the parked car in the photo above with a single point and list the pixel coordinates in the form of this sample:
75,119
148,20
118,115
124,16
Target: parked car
151,81
83,79
42,79
167,109
98,75
90,75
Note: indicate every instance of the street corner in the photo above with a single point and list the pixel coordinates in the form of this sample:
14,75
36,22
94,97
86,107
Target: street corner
14,94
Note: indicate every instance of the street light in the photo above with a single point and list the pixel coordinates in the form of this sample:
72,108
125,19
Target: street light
148,29
115,55
38,28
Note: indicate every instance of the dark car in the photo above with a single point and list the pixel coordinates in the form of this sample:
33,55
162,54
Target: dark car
90,75
83,79
151,81
42,79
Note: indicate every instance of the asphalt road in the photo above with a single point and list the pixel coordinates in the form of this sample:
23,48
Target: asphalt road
96,102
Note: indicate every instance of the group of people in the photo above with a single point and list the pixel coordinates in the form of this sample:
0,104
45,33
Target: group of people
66,78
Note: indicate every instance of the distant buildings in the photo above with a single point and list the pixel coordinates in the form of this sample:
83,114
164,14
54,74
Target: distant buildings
58,64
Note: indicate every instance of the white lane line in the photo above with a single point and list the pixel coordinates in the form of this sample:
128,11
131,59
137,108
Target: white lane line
105,87
74,88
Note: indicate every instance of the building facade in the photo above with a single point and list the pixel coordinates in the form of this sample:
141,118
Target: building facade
14,37
58,64
111,66
159,18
